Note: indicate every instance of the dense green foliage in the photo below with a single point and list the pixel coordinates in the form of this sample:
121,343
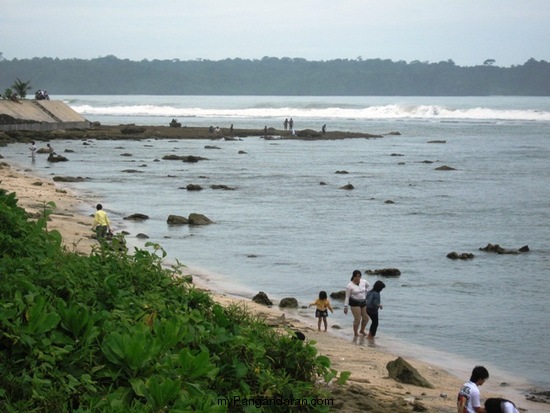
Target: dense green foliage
273,76
114,332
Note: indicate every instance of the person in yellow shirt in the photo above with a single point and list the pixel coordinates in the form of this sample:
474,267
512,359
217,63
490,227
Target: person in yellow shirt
323,305
102,226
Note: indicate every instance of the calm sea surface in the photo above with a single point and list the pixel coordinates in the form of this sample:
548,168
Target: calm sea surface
283,232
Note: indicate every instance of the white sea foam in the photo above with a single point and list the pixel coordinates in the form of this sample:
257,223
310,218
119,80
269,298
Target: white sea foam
393,111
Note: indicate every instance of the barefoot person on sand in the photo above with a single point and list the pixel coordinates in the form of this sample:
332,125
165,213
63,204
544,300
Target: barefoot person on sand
356,295
321,312
373,305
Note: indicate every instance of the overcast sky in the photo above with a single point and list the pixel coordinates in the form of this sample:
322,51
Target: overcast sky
466,31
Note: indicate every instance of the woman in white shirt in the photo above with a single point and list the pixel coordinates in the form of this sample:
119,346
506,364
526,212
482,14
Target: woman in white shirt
498,405
356,299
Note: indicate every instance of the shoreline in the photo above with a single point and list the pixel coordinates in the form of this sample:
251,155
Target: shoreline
366,363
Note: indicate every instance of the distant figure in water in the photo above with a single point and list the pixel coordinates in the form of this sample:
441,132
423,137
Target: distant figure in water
324,128
32,148
285,124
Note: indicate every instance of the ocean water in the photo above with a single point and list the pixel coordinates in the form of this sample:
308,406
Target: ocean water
286,227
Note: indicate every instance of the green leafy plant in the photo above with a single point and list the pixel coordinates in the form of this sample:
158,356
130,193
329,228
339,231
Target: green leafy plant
21,88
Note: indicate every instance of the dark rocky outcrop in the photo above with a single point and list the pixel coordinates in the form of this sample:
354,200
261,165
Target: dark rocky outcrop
445,168
142,236
309,133
262,298
401,371
187,158
456,256
193,159
288,302
348,187
224,187
384,272
137,217
193,187
338,295
496,248
57,158
539,396
131,132
68,179
177,220
199,219
132,129
355,398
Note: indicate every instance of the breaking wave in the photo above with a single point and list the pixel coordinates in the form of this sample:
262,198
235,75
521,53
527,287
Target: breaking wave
392,111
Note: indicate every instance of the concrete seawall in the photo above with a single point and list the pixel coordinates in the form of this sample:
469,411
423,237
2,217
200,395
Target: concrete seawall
39,115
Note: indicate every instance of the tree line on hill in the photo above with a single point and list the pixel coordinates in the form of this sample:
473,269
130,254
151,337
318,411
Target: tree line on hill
276,76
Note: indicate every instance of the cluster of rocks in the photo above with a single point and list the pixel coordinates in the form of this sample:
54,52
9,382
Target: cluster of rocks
463,256
494,248
499,250
539,396
192,219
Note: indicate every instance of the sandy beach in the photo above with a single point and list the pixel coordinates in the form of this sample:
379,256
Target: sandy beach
369,377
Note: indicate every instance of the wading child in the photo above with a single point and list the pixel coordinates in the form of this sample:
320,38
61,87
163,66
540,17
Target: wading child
323,305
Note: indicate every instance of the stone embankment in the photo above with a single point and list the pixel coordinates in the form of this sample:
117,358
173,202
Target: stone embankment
38,116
